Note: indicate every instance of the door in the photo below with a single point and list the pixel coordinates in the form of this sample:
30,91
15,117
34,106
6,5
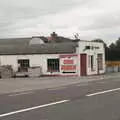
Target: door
83,66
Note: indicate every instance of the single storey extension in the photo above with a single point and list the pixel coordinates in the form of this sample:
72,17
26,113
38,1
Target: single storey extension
80,58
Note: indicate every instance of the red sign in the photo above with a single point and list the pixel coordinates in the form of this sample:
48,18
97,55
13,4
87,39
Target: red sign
68,67
68,62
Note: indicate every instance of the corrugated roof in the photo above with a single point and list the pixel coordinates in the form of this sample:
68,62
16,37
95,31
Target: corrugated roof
48,48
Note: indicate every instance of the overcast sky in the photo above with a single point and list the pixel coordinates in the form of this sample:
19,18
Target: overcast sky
90,18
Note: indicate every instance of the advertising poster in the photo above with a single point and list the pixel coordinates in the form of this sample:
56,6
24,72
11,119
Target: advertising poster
68,63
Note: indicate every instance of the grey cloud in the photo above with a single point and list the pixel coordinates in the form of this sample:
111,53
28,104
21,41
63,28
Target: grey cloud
12,11
29,8
22,15
104,21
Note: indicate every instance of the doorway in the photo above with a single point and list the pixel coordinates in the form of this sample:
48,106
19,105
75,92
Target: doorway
83,66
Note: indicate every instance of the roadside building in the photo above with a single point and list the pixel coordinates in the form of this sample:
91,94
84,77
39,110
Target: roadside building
73,58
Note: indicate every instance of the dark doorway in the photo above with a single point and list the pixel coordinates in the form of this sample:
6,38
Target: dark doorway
83,66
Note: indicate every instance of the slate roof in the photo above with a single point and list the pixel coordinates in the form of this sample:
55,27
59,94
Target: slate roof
15,41
13,46
19,41
48,48
25,41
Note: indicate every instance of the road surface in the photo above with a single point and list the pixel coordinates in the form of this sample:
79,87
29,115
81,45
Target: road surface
98,100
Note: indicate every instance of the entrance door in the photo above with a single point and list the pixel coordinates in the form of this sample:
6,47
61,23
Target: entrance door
83,66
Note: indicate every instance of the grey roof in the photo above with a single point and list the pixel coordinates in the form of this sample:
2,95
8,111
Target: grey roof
19,41
15,41
25,41
48,48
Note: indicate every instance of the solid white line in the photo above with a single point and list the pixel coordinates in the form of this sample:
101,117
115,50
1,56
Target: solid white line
57,88
33,108
102,82
103,92
84,84
23,93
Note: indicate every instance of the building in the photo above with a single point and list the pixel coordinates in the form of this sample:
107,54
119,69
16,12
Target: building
73,58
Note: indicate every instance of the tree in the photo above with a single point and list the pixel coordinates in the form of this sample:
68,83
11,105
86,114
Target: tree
118,43
114,51
112,46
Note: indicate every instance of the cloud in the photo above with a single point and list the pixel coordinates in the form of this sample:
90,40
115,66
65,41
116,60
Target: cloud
16,14
90,18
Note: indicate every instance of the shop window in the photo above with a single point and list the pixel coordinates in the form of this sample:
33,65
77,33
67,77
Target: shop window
53,65
100,61
23,65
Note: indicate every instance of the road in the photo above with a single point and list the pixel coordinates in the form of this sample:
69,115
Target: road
98,100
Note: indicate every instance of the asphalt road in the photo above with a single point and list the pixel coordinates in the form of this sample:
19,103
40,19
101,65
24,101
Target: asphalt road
98,100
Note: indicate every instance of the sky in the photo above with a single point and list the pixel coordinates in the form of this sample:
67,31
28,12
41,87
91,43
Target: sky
91,19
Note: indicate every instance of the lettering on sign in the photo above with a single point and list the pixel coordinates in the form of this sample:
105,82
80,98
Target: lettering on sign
68,63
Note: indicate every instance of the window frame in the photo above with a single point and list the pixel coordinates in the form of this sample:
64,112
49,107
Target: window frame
92,62
23,65
100,61
53,65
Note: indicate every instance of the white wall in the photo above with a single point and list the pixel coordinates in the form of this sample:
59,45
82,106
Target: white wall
94,52
9,60
35,60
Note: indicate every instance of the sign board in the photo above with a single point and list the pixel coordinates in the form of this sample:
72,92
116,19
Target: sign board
68,63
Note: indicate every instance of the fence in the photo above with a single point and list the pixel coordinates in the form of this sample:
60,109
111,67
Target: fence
111,69
112,66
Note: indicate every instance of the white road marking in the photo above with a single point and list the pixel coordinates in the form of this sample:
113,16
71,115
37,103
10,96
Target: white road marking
22,93
57,88
85,84
102,82
101,78
33,108
103,92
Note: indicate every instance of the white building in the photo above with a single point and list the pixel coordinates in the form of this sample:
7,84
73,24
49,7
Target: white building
70,58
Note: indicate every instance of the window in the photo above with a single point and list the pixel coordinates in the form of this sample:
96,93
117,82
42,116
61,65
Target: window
100,61
91,47
87,47
23,65
92,62
53,65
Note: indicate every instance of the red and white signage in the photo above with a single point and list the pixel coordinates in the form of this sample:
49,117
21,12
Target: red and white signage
68,63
